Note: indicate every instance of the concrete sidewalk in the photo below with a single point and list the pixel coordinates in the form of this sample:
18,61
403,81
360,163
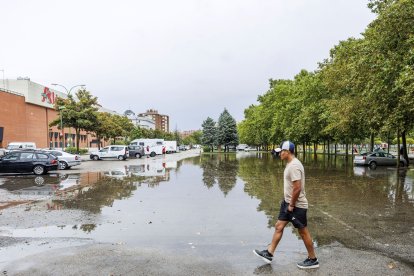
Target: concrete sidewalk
110,259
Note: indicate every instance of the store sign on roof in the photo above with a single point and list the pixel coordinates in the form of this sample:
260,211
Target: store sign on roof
48,96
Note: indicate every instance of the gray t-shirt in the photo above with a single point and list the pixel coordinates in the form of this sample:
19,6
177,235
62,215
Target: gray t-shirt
294,171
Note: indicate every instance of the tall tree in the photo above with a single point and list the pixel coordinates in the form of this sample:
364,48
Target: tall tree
79,113
103,127
209,133
389,39
227,130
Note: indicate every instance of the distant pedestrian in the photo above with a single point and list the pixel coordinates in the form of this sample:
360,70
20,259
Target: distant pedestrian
293,208
355,149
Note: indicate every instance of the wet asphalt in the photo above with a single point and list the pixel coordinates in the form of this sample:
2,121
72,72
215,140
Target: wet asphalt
165,216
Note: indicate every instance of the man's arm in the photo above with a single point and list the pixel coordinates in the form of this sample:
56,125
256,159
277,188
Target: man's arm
295,194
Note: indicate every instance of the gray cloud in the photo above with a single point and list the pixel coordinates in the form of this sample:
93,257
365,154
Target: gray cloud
188,59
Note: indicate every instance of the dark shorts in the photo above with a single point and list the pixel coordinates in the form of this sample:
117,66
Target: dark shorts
297,217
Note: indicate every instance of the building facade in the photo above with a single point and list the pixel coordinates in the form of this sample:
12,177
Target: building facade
142,121
162,122
27,109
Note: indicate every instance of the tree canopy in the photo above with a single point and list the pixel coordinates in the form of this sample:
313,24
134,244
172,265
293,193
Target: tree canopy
365,88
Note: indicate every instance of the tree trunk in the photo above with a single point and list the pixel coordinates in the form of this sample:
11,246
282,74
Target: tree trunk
336,145
329,149
346,151
398,148
404,145
388,142
77,130
99,141
315,146
371,142
352,150
304,150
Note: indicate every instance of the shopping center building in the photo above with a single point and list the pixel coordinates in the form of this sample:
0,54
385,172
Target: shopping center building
27,109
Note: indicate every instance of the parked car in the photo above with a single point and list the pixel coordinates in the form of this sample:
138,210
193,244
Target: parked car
136,151
111,152
374,159
66,160
26,161
241,147
182,147
249,149
20,146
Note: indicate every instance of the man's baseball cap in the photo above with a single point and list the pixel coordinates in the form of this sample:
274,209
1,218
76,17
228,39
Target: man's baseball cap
286,145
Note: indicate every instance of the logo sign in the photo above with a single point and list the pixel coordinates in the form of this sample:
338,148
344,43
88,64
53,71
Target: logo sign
48,96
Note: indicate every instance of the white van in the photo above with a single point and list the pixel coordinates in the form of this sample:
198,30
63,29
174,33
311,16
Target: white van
111,152
152,147
170,146
20,145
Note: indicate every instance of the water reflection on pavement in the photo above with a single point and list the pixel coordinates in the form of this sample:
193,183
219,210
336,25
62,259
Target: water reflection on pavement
224,203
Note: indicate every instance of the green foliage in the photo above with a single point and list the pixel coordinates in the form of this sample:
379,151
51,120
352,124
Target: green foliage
377,141
80,113
364,88
120,142
138,133
177,137
227,130
378,5
110,126
208,137
197,137
73,150
206,149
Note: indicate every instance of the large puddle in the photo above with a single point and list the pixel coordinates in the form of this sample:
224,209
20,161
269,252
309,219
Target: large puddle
218,204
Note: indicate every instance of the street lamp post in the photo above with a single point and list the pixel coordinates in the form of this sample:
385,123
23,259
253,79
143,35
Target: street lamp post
61,108
68,92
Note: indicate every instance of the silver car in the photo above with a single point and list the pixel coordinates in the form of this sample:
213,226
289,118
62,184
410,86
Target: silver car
66,160
374,159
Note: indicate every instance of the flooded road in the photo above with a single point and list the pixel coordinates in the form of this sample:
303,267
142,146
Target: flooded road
210,206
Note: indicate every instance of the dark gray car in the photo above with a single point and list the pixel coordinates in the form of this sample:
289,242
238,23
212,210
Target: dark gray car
136,151
379,158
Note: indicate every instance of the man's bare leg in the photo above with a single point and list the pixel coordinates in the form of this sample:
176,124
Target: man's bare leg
307,240
277,235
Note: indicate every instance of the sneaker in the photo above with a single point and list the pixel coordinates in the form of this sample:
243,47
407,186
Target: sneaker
309,263
265,255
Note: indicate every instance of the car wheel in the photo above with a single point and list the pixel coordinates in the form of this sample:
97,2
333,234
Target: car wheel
120,157
39,169
137,155
63,165
39,180
95,157
152,154
373,165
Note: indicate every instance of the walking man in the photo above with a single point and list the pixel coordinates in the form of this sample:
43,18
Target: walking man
293,208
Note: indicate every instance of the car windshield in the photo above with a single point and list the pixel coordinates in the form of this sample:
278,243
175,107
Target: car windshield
12,147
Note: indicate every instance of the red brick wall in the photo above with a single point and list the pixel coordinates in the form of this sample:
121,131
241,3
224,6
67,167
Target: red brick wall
24,122
12,118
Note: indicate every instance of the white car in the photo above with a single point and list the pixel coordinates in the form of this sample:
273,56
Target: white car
249,149
66,160
111,152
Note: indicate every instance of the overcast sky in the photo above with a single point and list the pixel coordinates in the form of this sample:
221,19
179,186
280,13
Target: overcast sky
188,59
